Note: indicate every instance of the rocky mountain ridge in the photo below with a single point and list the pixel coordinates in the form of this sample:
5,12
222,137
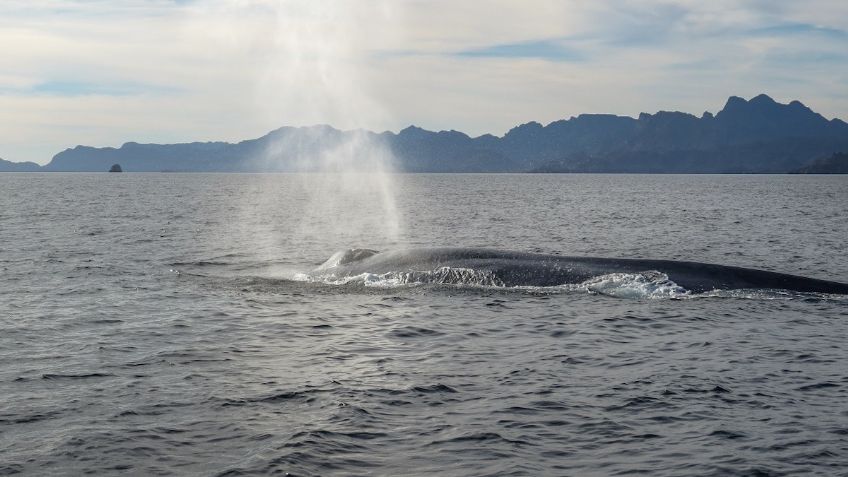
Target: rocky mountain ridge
758,135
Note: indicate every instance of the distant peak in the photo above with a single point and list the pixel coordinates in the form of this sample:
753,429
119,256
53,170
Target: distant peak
414,131
734,101
737,105
799,105
411,128
532,127
665,116
452,132
320,127
762,99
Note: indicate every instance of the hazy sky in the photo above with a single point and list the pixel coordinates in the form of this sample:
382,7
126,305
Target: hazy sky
103,72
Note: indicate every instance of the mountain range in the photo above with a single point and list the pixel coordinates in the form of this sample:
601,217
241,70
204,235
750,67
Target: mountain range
747,136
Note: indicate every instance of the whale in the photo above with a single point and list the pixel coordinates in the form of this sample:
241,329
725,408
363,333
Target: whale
523,269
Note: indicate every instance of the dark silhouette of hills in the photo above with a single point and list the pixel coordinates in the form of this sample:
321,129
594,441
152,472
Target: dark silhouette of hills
754,136
7,166
835,164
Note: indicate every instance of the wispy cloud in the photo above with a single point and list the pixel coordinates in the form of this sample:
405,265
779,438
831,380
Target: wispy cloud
800,29
70,88
552,50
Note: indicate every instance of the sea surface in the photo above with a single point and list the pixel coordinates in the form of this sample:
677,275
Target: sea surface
166,324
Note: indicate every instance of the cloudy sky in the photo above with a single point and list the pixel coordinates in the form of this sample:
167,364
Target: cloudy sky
103,72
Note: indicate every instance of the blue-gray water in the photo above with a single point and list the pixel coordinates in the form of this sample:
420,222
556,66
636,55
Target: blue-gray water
148,327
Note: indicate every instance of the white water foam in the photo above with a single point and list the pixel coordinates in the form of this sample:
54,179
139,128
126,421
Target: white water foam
649,284
443,276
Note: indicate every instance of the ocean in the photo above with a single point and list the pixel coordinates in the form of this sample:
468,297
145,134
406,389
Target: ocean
168,324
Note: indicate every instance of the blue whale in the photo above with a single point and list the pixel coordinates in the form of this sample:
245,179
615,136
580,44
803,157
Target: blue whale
512,269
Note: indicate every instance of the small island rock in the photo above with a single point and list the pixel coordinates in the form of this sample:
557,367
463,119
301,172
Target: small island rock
116,168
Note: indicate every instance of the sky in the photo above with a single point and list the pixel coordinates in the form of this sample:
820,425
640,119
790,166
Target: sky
105,72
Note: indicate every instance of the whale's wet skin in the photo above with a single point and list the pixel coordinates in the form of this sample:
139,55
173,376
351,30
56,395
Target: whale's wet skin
471,266
183,324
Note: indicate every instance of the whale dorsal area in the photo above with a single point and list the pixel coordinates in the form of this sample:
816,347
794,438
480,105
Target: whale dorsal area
513,269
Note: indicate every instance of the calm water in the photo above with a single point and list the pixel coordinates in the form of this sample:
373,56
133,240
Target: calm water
149,326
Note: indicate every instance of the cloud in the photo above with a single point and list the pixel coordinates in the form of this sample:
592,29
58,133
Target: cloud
103,72
800,29
70,88
545,49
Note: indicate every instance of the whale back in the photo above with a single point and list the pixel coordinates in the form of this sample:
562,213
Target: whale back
508,268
